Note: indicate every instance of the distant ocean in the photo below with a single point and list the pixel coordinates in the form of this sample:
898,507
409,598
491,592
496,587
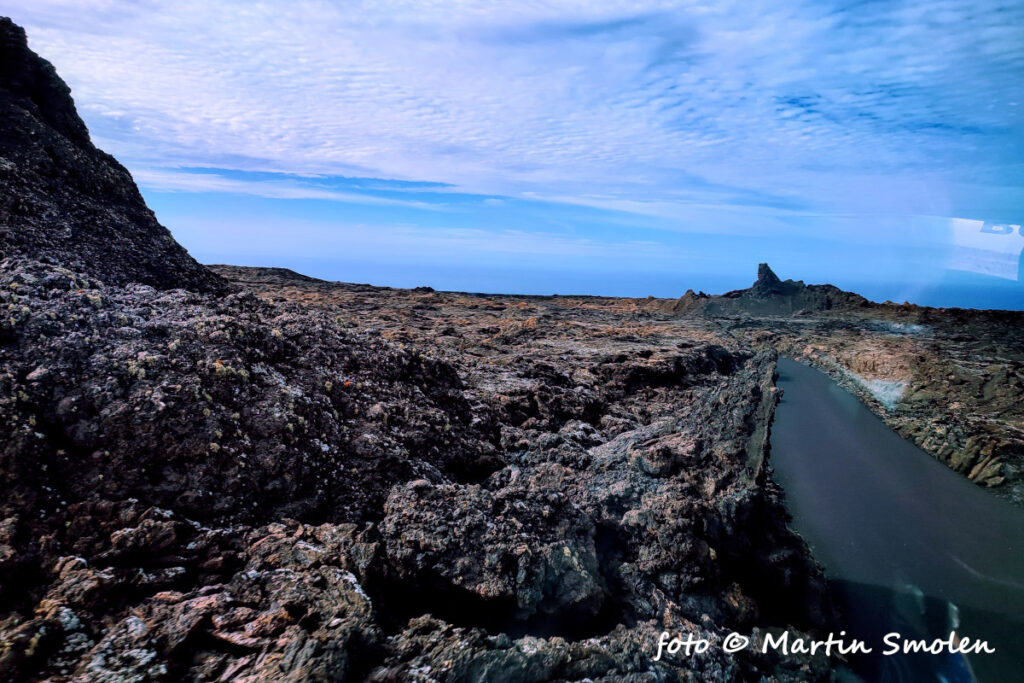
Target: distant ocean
950,288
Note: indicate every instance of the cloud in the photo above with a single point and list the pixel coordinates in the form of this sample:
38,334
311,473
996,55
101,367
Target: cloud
164,180
787,106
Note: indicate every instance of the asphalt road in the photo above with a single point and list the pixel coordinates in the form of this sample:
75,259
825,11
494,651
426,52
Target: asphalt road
910,546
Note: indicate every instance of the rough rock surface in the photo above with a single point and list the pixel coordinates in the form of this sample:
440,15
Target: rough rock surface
634,466
225,408
214,488
950,380
64,200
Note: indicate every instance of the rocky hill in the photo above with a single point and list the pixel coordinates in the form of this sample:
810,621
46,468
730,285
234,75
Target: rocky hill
769,296
64,200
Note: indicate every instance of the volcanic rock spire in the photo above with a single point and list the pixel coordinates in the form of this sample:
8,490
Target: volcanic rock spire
767,281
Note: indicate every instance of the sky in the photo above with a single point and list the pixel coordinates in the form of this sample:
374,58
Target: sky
607,147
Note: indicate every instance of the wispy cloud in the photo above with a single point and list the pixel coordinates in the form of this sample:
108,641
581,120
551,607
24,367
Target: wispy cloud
166,180
628,99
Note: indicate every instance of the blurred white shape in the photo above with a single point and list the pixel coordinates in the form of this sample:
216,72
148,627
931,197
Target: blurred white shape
986,248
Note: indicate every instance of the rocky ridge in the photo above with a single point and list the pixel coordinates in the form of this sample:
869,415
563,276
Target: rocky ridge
65,201
768,296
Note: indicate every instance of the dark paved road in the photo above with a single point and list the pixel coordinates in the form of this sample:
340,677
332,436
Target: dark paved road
911,546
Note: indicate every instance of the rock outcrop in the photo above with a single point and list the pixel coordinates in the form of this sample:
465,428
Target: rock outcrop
64,200
770,296
768,283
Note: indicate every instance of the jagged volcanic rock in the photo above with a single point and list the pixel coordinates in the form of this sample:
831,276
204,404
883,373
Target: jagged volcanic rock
770,296
220,407
63,199
550,524
768,283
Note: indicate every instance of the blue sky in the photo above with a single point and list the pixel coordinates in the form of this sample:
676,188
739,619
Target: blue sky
627,148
